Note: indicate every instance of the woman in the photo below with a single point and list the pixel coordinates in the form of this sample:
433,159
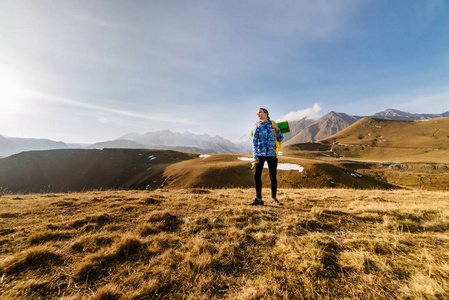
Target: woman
264,149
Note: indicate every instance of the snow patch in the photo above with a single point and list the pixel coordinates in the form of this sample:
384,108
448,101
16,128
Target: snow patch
283,167
245,158
204,156
356,175
289,167
152,157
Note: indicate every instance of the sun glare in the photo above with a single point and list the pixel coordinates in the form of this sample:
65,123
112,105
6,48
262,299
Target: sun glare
10,94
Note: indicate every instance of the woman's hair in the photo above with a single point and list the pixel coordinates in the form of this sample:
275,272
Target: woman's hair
265,111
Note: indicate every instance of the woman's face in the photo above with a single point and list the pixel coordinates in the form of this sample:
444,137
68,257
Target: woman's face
263,116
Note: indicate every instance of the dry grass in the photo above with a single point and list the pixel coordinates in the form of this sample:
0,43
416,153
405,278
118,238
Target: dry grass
85,170
398,141
208,244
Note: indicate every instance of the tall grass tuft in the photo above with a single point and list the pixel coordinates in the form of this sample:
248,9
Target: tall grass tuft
46,236
38,258
108,292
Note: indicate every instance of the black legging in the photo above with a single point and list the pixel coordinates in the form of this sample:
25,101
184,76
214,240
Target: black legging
272,166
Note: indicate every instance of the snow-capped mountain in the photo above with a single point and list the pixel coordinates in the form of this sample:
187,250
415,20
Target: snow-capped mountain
394,114
12,145
165,139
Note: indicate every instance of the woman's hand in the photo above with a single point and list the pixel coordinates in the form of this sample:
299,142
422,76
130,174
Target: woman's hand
255,161
275,126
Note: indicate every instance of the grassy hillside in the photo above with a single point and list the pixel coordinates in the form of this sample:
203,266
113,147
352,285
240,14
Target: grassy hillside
208,244
227,171
394,141
323,166
412,154
391,152
433,133
78,170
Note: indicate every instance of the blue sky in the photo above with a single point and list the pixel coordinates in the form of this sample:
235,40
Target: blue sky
88,71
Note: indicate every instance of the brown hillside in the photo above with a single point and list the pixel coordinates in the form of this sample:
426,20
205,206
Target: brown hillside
76,170
423,174
227,171
216,171
432,133
400,141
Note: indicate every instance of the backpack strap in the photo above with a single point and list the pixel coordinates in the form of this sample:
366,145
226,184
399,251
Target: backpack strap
278,144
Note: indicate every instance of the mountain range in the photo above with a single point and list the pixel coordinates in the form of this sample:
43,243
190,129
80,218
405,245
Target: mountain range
372,153
165,139
394,114
12,145
301,131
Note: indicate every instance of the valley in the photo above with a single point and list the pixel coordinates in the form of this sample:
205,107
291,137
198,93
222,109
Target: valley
304,130
369,154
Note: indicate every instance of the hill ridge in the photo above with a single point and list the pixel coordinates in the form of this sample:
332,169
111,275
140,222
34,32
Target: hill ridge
204,143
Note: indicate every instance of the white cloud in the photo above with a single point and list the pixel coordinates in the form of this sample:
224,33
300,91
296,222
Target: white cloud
120,112
310,113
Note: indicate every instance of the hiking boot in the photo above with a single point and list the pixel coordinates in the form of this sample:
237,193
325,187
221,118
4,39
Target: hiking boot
257,201
275,201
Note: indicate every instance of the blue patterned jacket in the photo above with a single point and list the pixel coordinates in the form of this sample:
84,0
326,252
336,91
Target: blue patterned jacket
264,140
